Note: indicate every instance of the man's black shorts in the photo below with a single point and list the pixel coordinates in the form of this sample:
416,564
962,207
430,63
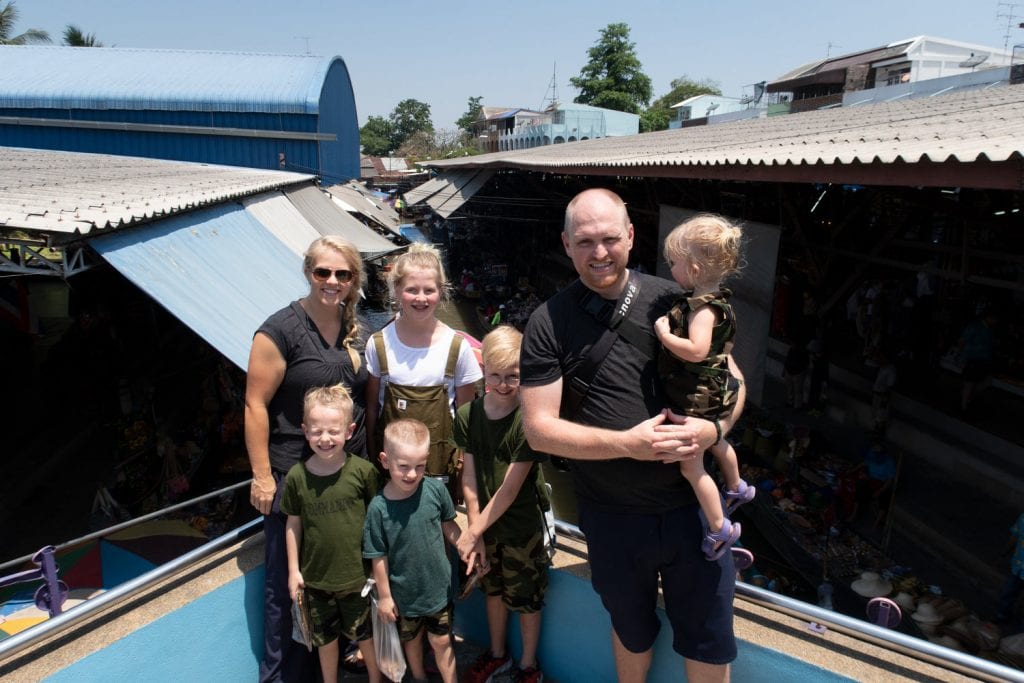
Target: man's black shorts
628,552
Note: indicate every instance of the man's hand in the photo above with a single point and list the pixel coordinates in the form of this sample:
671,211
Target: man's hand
261,493
684,437
656,438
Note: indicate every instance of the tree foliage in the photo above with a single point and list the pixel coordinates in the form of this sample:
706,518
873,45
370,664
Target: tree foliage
408,117
473,108
657,116
375,137
381,136
8,18
76,37
444,143
613,77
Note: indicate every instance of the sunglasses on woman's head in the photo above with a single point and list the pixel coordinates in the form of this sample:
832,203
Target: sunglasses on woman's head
324,274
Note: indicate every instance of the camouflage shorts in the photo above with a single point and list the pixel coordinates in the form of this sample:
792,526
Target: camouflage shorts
439,624
333,615
519,574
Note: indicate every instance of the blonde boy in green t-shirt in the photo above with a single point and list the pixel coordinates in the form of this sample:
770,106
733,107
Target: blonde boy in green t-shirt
503,489
325,499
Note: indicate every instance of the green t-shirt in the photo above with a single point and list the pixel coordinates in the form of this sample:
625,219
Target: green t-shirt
496,444
408,532
333,511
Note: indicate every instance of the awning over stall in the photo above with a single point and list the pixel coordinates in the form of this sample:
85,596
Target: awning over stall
434,185
219,270
327,219
354,197
448,200
283,219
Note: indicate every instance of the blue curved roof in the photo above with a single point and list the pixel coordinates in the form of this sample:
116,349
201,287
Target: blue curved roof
46,77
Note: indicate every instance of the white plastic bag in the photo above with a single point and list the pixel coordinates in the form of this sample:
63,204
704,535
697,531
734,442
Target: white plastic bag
386,644
550,534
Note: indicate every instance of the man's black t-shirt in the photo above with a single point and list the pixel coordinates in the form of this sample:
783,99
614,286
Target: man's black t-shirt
625,392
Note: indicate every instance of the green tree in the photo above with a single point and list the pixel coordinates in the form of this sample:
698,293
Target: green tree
375,137
409,116
613,78
654,119
75,37
473,108
657,116
8,18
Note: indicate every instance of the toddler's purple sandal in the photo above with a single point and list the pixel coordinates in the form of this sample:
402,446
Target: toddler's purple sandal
715,544
744,493
742,558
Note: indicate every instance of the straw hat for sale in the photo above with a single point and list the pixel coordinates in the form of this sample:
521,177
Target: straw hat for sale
905,600
926,614
871,585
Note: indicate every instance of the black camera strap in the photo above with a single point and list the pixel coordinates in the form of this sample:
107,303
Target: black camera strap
615,318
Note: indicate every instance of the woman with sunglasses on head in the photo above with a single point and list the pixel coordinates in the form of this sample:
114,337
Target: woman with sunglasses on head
313,342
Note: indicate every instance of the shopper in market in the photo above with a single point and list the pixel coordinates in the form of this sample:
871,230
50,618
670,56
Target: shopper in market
315,341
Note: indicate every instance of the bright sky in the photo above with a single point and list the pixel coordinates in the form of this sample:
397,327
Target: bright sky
444,51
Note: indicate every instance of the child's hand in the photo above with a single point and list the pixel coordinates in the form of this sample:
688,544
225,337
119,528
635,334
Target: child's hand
662,328
465,546
480,555
387,609
295,583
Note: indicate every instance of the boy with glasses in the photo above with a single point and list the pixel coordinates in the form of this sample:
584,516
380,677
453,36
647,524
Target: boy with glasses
504,492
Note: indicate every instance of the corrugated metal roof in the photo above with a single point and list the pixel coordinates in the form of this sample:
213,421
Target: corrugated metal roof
447,201
283,219
38,76
435,185
327,219
68,192
356,196
218,270
968,127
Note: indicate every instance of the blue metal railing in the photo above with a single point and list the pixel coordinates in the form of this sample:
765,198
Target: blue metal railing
892,640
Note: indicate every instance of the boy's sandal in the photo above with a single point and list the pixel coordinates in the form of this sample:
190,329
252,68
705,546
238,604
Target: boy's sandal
742,558
744,493
353,661
715,544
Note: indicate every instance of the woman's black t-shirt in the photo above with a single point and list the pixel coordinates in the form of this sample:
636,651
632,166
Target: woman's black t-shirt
311,362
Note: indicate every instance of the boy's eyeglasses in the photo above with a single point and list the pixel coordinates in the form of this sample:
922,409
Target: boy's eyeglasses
324,274
495,380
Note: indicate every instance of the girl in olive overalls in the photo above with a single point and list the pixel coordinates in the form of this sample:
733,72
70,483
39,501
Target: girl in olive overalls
419,367
696,338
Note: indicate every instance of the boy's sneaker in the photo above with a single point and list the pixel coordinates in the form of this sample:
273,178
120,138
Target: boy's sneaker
486,667
530,675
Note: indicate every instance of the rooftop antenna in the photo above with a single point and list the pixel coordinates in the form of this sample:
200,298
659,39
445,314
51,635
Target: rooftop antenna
552,91
828,53
305,38
1009,16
